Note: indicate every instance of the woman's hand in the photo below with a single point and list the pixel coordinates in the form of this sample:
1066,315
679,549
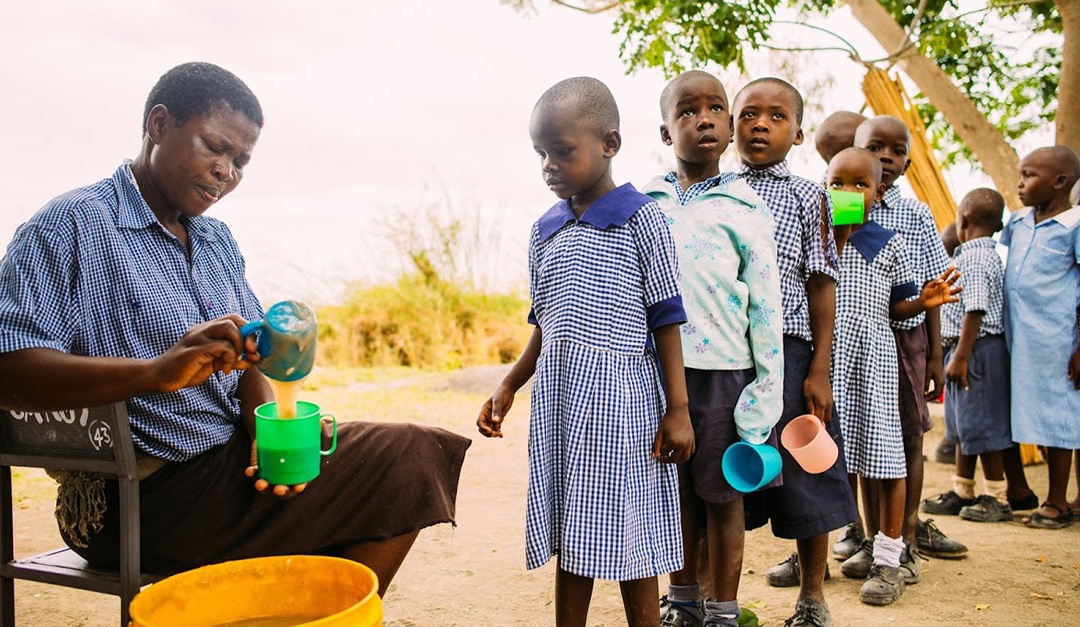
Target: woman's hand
674,442
284,492
205,349
942,290
489,422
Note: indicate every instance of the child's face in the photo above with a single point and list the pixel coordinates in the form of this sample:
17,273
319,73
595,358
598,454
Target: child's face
765,124
698,121
854,172
574,158
889,139
1039,180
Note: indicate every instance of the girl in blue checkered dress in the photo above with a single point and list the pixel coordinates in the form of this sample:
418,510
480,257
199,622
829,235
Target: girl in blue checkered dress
876,285
606,430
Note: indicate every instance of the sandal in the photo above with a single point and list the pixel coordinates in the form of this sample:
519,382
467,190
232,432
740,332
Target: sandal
1062,520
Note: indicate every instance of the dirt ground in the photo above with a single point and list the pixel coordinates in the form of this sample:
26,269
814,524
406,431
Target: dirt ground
474,575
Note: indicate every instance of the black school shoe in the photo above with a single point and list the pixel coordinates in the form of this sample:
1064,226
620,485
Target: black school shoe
945,504
788,573
1022,505
929,540
987,509
945,453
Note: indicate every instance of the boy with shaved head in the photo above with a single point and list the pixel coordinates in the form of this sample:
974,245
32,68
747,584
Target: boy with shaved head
1042,296
977,394
836,133
768,124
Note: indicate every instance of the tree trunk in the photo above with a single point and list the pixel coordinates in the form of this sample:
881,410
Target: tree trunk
988,145
1067,119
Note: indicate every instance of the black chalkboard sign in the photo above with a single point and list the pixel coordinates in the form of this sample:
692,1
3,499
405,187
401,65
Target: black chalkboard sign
84,432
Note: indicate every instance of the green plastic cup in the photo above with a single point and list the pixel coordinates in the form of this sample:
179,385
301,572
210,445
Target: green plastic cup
848,207
289,450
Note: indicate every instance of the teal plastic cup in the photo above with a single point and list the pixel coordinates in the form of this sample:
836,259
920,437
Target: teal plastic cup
289,450
286,339
749,467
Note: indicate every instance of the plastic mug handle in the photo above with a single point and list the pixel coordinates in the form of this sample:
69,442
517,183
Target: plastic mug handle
251,328
333,442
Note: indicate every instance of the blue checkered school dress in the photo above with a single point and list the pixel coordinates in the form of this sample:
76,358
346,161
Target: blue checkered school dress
874,271
599,284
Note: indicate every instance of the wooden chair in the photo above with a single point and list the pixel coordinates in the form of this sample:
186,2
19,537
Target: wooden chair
92,440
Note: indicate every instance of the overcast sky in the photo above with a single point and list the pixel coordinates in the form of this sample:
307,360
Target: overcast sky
373,109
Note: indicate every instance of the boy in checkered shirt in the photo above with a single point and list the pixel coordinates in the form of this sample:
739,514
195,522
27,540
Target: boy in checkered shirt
977,392
768,123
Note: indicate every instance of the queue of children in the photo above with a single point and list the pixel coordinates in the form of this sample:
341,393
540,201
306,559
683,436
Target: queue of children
671,323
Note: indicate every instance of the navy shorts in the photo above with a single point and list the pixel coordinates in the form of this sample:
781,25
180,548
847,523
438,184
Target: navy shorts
978,418
912,349
713,395
806,505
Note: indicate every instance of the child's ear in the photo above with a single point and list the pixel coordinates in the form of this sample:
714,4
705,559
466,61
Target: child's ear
731,125
612,143
907,164
879,193
1062,182
665,136
798,138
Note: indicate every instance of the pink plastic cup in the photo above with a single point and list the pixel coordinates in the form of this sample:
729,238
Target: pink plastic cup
810,444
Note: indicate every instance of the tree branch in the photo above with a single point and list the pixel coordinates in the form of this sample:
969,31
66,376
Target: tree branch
847,43
589,10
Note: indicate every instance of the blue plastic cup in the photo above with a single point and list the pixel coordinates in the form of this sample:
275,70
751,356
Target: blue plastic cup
749,467
286,340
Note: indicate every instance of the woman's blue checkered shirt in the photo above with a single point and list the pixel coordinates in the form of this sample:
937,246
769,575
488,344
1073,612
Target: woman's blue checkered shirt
94,273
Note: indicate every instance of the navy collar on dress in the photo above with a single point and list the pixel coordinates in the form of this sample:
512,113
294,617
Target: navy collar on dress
870,239
612,209
776,170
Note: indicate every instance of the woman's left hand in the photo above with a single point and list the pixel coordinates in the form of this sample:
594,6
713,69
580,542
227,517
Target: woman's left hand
674,442
284,492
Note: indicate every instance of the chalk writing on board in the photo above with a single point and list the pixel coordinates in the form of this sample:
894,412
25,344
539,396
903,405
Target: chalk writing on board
100,435
69,416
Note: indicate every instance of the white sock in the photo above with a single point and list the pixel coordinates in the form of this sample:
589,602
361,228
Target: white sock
996,489
964,487
887,550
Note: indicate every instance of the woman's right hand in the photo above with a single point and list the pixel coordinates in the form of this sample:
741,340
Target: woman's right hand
494,410
205,349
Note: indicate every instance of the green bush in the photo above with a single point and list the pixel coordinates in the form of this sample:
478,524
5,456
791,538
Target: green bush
425,322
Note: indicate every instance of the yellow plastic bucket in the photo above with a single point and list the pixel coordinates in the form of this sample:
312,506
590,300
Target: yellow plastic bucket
285,591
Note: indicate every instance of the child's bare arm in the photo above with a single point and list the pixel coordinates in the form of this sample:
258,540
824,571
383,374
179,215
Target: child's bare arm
674,440
817,389
957,370
489,422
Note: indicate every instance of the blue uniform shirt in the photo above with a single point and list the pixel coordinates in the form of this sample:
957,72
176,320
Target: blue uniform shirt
1042,295
804,245
94,273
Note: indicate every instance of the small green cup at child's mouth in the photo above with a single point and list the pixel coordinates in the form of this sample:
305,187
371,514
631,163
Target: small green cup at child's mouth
848,207
289,450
